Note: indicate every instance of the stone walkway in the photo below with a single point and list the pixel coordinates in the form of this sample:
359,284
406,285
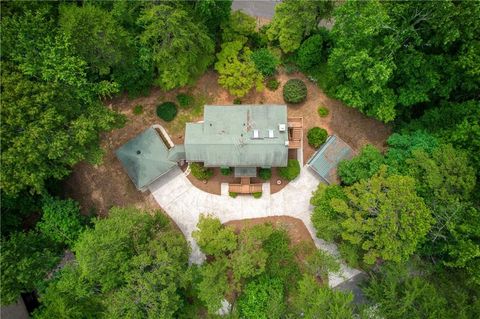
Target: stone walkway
184,203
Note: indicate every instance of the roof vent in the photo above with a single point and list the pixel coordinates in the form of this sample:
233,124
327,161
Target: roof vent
270,134
255,134
286,143
139,152
282,127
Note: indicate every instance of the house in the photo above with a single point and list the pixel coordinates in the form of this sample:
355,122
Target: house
244,137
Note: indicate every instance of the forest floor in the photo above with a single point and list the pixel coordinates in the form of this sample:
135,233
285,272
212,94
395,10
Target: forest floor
99,187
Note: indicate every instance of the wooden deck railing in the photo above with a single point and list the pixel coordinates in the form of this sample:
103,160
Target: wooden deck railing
295,132
245,187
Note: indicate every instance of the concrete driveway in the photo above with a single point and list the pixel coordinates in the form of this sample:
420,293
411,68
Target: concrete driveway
259,8
184,203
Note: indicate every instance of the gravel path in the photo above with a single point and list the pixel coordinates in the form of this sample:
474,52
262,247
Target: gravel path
184,203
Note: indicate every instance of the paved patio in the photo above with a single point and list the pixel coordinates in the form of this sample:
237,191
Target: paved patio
184,203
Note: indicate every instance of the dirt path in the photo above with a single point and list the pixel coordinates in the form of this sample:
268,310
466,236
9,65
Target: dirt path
98,188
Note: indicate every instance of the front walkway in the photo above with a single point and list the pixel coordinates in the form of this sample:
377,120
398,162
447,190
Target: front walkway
184,203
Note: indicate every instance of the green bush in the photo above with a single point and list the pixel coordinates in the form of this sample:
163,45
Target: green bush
138,109
350,254
310,53
237,101
265,173
167,111
316,136
273,84
265,61
262,297
294,91
184,100
257,194
200,172
232,194
226,171
291,171
323,111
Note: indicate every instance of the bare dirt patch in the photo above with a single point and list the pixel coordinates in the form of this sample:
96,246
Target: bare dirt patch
100,187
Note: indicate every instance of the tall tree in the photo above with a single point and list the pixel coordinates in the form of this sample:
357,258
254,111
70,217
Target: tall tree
384,217
295,20
213,238
179,46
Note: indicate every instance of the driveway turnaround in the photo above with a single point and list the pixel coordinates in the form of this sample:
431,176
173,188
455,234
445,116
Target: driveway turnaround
184,203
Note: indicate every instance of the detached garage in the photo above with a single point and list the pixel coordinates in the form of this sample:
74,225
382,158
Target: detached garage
325,161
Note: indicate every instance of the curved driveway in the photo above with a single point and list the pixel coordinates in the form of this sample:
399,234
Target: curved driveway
184,203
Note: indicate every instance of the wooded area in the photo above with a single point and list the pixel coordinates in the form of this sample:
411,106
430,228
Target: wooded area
408,216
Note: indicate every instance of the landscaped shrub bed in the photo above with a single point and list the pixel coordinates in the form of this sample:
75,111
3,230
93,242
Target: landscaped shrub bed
323,111
257,195
167,111
265,173
200,172
294,91
316,136
138,109
232,194
226,171
184,100
273,84
291,171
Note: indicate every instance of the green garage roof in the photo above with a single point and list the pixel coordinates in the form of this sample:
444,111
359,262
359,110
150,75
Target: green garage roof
239,136
326,159
145,158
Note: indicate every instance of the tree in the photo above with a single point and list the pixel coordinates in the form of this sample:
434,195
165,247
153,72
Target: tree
214,13
103,252
294,20
403,55
312,52
179,46
61,221
362,166
213,285
265,61
262,298
326,220
313,301
95,36
69,295
399,294
25,260
240,27
155,284
237,71
384,216
214,238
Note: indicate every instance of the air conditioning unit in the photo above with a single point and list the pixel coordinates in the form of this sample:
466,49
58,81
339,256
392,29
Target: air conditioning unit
282,127
256,134
286,143
270,134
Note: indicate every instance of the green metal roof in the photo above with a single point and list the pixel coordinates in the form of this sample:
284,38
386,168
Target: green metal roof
176,153
326,159
245,172
226,136
145,158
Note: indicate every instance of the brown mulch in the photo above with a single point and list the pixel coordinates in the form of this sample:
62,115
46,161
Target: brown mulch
99,187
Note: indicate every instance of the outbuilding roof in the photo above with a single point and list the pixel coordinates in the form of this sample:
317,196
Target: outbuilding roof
145,158
326,159
239,136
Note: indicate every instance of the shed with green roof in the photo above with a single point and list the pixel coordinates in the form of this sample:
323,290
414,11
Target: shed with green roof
146,158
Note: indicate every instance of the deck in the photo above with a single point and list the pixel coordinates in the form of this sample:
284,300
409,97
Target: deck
295,132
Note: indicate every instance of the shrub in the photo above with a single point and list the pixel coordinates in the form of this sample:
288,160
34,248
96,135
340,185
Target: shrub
291,171
323,111
265,173
184,100
232,194
316,136
257,194
138,109
226,171
237,101
350,254
273,84
294,91
167,111
310,52
265,61
200,172
262,297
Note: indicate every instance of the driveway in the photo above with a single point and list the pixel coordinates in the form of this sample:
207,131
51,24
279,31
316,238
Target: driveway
264,9
184,203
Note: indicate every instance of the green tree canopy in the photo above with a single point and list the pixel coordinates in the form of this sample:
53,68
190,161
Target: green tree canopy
180,47
384,216
294,20
213,238
363,166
